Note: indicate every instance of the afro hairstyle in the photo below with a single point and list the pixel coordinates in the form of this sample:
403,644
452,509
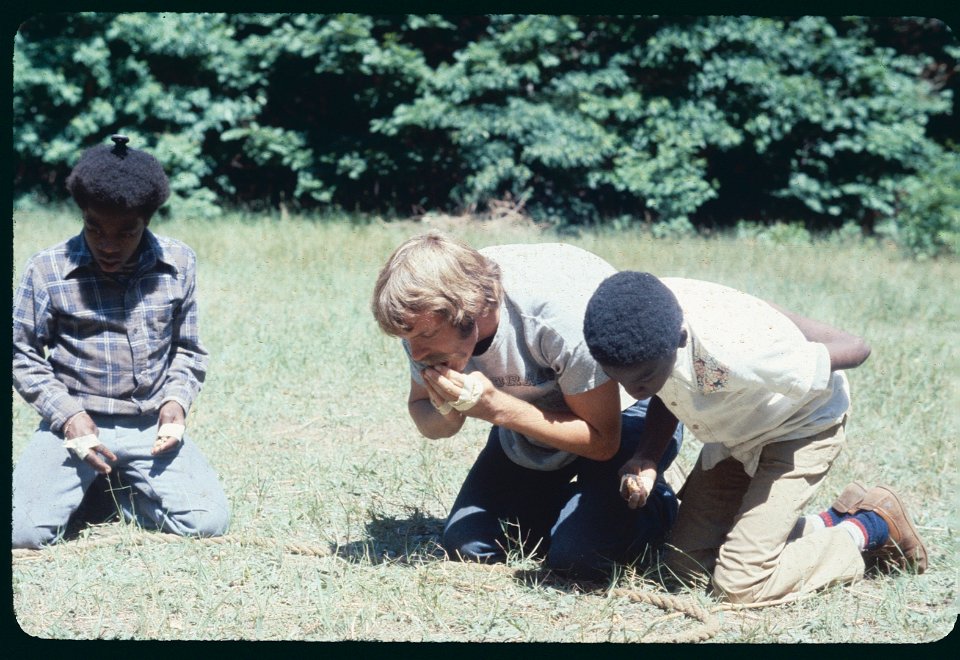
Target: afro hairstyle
632,318
118,178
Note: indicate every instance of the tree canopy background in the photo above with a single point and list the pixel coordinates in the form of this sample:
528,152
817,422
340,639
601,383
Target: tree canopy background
687,122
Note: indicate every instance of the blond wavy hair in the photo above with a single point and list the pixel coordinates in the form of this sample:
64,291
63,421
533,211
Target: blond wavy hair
434,273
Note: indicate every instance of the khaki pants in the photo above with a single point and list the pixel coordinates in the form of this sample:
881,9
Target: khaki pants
744,531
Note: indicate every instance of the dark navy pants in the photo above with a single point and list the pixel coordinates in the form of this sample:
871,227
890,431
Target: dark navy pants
573,517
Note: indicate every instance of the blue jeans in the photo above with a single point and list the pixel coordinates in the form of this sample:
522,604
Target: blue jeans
580,526
177,492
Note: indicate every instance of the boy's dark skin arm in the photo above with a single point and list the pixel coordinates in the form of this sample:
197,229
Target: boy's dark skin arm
658,429
847,351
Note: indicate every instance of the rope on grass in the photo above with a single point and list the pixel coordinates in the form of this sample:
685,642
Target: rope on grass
666,602
161,537
670,603
688,608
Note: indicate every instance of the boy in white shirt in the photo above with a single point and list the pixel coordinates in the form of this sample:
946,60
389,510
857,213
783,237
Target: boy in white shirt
763,389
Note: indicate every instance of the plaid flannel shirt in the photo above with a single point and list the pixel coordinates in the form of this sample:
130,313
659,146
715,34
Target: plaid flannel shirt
84,341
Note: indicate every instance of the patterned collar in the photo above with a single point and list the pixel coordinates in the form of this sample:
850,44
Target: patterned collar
697,368
149,254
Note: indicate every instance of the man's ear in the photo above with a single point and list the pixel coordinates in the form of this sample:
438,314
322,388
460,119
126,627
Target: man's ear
683,338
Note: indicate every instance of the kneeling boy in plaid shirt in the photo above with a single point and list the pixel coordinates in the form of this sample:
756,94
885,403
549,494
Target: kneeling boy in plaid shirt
106,349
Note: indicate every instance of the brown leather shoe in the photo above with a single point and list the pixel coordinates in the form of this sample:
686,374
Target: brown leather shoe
904,549
850,498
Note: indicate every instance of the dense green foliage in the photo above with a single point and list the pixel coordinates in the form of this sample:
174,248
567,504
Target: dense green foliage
683,121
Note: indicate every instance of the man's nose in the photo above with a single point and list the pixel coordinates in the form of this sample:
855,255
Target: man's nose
419,350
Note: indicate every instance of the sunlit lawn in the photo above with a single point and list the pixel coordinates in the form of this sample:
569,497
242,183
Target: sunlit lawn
303,414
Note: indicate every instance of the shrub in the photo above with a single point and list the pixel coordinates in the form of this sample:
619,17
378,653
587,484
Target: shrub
679,120
927,221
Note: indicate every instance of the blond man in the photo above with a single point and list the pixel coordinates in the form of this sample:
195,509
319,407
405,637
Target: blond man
496,335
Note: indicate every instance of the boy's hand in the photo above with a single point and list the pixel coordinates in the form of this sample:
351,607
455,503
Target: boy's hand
98,464
82,425
637,477
170,413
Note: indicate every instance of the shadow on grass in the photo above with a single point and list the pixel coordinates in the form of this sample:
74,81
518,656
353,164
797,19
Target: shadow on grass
647,569
545,578
414,539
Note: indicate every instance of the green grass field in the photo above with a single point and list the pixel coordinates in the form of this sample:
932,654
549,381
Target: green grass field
304,415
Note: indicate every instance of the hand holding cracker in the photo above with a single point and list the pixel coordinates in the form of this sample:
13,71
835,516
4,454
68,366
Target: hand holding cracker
637,479
170,428
452,390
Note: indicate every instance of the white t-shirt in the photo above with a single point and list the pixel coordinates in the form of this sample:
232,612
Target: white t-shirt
538,353
747,375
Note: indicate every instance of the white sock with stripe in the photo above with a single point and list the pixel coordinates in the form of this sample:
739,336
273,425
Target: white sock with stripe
856,530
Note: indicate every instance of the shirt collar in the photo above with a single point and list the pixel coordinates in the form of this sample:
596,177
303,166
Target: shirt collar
151,255
78,254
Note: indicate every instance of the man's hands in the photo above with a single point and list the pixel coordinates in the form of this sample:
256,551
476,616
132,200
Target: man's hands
170,413
82,425
637,477
591,427
445,388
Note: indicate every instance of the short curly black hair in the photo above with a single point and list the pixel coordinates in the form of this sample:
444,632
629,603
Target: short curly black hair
118,178
631,318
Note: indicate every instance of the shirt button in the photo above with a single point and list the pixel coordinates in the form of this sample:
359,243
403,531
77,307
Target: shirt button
696,426
673,403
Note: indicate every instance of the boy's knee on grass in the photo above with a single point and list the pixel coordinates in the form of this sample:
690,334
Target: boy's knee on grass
32,538
692,564
200,523
736,586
